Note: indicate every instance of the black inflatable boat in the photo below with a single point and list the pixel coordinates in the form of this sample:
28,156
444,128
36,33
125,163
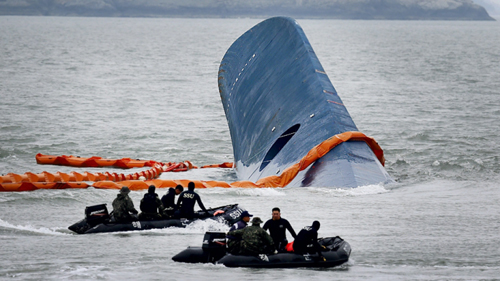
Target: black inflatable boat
214,250
97,220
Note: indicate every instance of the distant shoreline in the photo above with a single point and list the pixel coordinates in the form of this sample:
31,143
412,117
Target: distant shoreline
449,10
494,18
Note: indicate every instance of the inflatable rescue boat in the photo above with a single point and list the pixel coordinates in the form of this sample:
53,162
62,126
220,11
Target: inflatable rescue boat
213,250
98,220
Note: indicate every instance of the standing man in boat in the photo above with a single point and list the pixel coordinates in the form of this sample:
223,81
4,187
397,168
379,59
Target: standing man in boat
123,207
186,201
307,241
150,205
168,200
233,242
254,239
277,228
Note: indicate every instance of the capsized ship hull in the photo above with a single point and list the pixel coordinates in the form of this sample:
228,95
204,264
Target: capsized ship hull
279,104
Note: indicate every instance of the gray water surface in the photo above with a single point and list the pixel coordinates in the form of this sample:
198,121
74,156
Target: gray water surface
428,92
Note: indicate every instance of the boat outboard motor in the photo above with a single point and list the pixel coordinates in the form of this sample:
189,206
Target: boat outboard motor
96,214
214,243
213,249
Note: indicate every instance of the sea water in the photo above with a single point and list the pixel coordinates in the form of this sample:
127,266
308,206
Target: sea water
427,91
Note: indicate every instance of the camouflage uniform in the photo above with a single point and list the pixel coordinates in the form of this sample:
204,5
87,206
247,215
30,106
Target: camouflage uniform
234,242
122,205
255,240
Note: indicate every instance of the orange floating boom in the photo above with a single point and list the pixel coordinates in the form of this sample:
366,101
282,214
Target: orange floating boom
45,180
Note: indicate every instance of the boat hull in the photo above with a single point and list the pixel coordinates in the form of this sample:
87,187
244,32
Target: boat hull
279,104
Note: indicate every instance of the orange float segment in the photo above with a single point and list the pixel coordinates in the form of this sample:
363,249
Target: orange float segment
180,170
218,184
134,185
127,163
101,177
243,184
48,176
190,165
222,165
172,167
46,185
30,186
159,183
78,177
66,177
20,186
45,159
76,185
6,179
94,161
106,185
77,161
13,178
35,177
184,183
89,176
105,162
9,186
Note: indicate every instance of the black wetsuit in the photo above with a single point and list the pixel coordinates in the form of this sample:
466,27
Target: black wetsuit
185,204
277,229
307,241
168,201
150,205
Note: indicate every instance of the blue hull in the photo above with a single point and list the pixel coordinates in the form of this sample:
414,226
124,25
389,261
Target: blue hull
279,104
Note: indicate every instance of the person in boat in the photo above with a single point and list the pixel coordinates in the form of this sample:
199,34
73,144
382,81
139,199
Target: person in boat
306,241
151,206
123,207
254,239
186,201
168,200
233,242
277,228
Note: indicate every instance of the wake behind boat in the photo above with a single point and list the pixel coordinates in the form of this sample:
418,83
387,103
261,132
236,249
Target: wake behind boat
97,220
280,104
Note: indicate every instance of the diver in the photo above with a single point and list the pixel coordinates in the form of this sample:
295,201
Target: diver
233,242
277,228
150,205
254,239
168,200
186,201
123,207
306,241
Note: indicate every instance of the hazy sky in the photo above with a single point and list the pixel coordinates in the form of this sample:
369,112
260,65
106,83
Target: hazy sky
492,6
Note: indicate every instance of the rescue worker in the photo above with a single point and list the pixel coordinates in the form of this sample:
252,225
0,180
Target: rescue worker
186,201
233,242
123,207
307,241
277,228
168,200
150,205
254,239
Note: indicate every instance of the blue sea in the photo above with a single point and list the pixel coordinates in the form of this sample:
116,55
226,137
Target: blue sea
427,91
